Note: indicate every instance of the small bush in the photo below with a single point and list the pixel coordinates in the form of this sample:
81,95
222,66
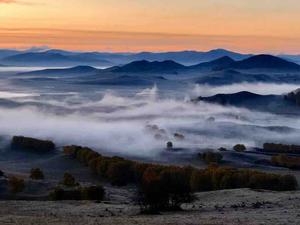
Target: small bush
16,184
69,180
36,174
239,148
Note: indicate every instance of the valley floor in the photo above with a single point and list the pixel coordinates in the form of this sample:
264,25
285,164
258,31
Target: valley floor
228,207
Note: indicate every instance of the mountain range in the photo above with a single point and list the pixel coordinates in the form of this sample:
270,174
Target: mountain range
57,57
262,62
259,68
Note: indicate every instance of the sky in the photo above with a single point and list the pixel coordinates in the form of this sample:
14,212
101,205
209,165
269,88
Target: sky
256,26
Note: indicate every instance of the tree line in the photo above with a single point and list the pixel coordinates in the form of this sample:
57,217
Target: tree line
167,187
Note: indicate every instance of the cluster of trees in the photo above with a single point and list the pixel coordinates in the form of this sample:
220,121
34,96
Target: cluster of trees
211,157
32,144
218,178
167,187
281,148
286,161
70,189
82,193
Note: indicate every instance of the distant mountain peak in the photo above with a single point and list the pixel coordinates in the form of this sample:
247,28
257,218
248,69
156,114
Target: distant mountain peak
266,62
147,66
217,64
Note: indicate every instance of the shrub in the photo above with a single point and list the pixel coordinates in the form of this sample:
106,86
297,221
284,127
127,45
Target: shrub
1,173
16,184
211,157
36,174
92,193
32,144
239,148
288,182
69,180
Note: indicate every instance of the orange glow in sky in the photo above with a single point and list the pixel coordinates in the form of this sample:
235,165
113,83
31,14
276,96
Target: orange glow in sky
152,25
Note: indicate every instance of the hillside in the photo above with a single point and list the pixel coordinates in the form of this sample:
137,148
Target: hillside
266,62
266,103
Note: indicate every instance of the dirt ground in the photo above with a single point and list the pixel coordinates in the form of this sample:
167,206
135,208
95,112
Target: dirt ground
228,207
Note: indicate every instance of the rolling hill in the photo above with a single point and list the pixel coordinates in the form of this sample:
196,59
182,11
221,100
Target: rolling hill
266,62
266,103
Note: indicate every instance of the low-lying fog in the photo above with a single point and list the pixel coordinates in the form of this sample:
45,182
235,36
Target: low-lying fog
111,121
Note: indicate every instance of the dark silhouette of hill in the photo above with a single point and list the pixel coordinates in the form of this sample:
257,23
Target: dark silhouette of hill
265,62
78,70
252,101
234,99
149,67
218,64
49,58
33,58
189,57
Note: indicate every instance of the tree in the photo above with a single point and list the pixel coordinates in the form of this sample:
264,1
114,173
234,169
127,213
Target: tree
169,145
239,148
152,197
36,174
16,184
69,180
120,173
201,181
176,185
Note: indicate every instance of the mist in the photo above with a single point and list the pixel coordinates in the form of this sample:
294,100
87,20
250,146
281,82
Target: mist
118,124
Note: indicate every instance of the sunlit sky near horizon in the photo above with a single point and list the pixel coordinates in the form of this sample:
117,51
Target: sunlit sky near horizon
256,26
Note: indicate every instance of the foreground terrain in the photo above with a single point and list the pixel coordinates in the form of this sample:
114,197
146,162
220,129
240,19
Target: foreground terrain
240,206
